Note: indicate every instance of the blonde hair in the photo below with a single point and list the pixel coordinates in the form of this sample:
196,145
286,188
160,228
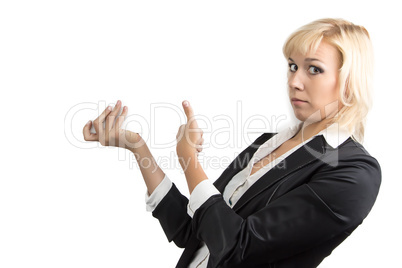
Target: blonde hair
356,71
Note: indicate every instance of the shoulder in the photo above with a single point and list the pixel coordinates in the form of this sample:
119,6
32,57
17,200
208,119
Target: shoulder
351,166
348,180
351,151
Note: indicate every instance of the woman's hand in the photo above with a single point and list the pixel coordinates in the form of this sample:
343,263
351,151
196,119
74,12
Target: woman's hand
189,144
111,134
189,137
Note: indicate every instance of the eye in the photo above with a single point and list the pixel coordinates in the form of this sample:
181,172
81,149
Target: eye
315,70
292,67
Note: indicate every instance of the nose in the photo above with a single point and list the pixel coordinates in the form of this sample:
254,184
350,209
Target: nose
295,81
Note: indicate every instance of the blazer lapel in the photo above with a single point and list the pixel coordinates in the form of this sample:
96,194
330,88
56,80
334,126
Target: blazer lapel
240,162
311,151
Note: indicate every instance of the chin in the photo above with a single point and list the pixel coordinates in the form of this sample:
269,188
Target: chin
314,117
300,116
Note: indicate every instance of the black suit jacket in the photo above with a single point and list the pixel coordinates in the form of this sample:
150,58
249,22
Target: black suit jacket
293,216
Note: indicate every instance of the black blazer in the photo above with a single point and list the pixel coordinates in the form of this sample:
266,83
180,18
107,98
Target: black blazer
293,216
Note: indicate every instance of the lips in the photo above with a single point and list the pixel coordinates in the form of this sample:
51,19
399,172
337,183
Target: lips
296,99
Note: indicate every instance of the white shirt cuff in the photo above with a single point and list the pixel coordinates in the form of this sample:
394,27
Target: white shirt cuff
158,194
200,194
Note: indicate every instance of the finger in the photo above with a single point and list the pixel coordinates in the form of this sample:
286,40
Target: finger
88,136
121,118
199,143
188,109
101,118
199,146
190,114
111,117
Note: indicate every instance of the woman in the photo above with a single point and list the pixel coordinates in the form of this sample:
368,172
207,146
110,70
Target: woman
290,197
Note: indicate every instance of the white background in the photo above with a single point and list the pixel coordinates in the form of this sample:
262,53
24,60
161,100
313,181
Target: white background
69,203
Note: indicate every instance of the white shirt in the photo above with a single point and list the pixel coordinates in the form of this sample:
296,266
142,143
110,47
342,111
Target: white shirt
242,181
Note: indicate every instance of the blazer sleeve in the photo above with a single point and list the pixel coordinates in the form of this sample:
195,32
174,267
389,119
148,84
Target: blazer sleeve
173,217
334,200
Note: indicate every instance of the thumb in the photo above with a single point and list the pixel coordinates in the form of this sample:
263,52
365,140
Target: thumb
192,123
188,109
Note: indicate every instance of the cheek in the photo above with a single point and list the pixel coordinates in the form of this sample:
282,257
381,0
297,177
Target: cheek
325,92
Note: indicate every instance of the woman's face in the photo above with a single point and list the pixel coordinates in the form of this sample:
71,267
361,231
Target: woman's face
313,83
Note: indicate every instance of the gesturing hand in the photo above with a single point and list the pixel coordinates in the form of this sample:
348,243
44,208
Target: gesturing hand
111,135
189,137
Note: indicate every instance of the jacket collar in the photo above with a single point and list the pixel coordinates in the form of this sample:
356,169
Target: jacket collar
334,135
313,150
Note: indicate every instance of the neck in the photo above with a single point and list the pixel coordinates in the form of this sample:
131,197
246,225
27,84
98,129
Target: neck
308,130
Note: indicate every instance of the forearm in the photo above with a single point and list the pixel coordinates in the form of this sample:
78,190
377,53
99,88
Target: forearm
193,171
151,172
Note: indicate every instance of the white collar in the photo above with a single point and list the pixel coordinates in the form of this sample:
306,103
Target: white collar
334,135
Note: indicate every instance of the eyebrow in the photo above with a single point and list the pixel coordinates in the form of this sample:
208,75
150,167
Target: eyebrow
307,59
